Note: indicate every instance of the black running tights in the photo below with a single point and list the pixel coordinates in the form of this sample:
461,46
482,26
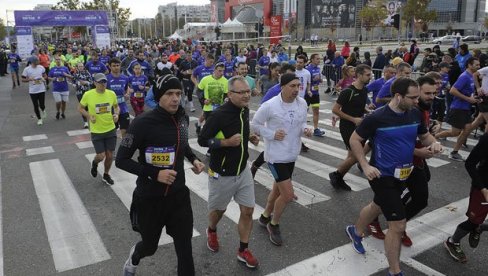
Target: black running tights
38,102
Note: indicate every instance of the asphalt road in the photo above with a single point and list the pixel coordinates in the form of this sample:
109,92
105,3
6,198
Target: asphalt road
37,220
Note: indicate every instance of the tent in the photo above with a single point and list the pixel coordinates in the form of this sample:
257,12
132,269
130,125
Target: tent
175,36
233,26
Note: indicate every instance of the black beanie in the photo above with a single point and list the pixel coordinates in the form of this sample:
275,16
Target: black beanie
165,83
287,77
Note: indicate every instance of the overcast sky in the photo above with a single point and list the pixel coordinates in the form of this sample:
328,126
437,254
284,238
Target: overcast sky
139,8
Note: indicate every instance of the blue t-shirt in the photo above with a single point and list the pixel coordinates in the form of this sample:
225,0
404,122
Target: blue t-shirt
445,82
385,91
95,67
119,86
272,92
104,59
375,87
393,136
13,60
465,85
315,78
149,100
201,71
264,62
229,69
60,84
134,83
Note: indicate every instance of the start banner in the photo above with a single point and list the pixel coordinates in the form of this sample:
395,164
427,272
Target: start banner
60,18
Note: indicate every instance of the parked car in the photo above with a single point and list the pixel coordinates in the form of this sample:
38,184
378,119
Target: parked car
445,39
472,38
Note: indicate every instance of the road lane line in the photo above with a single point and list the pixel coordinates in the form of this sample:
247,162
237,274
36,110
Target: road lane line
78,132
34,137
72,236
84,145
124,186
37,151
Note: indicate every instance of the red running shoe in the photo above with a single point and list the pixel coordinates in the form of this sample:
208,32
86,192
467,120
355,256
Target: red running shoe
406,241
247,258
212,241
376,231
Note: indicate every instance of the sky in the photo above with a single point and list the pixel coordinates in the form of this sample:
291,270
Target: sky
139,8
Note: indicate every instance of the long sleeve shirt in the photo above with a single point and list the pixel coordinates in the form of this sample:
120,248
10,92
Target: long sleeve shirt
477,163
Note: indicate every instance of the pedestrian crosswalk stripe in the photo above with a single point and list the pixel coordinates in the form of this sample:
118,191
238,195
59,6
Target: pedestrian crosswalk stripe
469,141
84,145
124,186
72,236
305,195
426,231
37,151
198,184
34,137
78,132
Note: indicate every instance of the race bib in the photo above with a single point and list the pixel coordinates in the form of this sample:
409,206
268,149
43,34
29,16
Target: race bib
315,88
102,108
138,94
163,157
38,81
59,79
120,99
402,173
213,174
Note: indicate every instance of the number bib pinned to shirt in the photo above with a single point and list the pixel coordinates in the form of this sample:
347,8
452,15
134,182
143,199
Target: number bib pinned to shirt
402,173
138,94
163,157
102,108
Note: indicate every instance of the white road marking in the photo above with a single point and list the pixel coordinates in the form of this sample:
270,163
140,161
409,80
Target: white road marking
37,151
124,186
78,132
84,145
306,196
426,232
72,236
34,137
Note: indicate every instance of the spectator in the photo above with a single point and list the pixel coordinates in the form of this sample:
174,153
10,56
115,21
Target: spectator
380,62
463,56
346,50
367,59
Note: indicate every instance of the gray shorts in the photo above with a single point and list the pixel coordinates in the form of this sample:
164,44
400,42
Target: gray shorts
103,142
222,189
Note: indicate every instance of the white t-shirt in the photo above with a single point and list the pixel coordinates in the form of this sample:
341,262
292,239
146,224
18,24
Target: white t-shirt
305,79
273,59
38,85
484,79
168,65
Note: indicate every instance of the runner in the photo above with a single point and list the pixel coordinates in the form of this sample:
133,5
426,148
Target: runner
226,133
161,198
242,71
83,81
35,75
100,101
138,87
313,98
13,61
119,83
58,75
94,65
281,130
350,107
375,86
389,168
477,167
185,72
404,70
198,74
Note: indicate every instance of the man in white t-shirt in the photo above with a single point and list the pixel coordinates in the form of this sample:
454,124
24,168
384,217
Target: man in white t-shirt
35,75
303,75
164,63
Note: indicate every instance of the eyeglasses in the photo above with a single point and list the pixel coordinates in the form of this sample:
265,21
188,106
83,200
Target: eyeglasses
242,92
102,82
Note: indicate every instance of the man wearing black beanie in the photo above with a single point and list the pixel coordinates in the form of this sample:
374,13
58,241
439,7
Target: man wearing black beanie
161,198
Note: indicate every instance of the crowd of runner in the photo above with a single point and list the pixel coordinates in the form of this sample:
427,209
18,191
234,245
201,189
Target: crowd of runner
384,108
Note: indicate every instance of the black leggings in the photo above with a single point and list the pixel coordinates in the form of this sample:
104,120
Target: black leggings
418,187
149,215
188,87
38,102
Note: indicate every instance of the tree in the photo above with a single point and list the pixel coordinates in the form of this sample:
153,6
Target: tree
372,15
68,5
485,22
3,30
122,14
418,11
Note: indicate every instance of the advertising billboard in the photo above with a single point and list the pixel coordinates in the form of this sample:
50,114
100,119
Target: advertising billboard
338,13
392,10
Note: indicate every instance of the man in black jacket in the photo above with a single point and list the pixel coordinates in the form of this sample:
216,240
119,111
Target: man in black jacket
227,134
161,198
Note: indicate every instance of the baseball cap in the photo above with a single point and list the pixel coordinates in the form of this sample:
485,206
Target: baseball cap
99,76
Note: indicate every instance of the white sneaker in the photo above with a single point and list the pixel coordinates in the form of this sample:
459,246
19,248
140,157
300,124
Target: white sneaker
85,125
39,122
192,107
129,268
43,114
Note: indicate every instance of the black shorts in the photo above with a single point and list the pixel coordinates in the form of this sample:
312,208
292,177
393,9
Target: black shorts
314,101
281,171
388,195
124,121
483,106
458,118
103,142
206,114
346,129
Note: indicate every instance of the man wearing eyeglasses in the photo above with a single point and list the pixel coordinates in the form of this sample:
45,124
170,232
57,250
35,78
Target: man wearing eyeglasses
392,131
226,133
100,102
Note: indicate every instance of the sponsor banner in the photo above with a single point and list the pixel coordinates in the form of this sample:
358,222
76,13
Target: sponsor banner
337,13
102,37
23,30
102,29
392,10
60,18
25,41
275,28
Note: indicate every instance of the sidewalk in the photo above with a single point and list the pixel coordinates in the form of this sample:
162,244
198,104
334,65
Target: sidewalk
5,98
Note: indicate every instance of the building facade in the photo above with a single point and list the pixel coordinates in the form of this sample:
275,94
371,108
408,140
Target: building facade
193,13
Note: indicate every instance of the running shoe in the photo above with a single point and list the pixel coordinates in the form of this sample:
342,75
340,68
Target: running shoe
356,240
264,221
39,122
43,114
57,115
337,181
318,132
376,231
474,238
212,241
63,116
406,241
85,125
107,179
129,268
304,148
274,234
247,258
93,170
455,251
456,156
